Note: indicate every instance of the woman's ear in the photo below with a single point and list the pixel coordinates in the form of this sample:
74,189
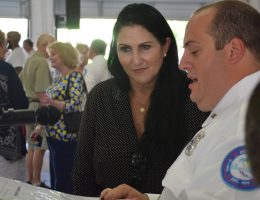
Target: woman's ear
236,50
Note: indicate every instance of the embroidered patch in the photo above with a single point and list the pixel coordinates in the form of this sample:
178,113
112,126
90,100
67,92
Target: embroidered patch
236,171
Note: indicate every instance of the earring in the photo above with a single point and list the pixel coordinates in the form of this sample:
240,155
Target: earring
165,54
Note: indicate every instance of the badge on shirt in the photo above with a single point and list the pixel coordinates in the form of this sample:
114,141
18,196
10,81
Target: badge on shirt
194,142
235,170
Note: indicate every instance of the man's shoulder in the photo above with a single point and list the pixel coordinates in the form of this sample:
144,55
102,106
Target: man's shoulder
98,60
6,68
18,52
37,56
37,59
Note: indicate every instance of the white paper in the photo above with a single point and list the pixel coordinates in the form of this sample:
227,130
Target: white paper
15,190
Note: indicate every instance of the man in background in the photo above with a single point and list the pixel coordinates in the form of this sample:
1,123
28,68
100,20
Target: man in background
36,77
28,47
12,95
97,71
17,57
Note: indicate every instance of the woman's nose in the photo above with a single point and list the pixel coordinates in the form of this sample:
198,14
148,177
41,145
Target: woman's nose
136,58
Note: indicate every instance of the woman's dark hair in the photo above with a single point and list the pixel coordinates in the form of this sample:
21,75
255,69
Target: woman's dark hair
164,117
252,137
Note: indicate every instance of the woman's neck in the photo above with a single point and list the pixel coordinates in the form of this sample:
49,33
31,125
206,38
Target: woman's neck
65,70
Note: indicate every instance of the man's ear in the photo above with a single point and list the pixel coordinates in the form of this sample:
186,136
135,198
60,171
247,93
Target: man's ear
236,50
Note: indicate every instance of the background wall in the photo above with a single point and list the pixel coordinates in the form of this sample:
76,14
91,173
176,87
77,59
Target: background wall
41,13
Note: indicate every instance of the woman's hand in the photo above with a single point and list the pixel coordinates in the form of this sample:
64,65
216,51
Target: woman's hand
122,192
36,132
45,100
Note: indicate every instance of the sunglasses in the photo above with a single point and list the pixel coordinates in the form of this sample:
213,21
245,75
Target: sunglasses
139,164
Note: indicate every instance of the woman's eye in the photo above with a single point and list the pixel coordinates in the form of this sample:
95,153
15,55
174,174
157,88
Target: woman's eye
146,46
125,49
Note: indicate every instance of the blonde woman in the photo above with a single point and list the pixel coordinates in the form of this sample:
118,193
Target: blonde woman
67,93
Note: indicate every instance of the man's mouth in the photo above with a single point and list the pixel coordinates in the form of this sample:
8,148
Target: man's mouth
193,80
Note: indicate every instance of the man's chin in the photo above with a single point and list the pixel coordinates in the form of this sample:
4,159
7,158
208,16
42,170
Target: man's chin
198,103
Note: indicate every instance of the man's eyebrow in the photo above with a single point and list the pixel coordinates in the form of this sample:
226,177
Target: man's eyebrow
189,42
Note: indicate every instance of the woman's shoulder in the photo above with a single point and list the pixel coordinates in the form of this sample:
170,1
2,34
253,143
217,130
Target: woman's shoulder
104,87
75,74
105,92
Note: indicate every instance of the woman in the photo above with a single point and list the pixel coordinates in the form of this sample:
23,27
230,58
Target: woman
83,52
67,94
136,124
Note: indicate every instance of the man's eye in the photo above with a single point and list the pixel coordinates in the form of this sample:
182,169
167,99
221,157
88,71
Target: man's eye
194,53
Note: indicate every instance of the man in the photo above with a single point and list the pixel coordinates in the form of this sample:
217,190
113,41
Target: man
222,58
36,77
17,56
12,140
97,71
253,133
28,47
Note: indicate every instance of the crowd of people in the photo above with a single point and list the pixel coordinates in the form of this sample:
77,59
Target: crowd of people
152,126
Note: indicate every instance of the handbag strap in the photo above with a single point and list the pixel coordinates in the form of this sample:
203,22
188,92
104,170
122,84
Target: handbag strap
67,89
68,84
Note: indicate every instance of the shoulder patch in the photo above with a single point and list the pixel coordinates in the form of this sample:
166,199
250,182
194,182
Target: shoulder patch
235,170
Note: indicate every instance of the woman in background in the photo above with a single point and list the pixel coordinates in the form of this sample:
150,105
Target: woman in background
136,124
83,58
61,142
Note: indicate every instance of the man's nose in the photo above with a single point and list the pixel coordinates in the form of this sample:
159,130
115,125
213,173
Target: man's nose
184,65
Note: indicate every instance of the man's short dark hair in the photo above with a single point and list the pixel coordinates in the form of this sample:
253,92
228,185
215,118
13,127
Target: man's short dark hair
29,42
99,46
235,19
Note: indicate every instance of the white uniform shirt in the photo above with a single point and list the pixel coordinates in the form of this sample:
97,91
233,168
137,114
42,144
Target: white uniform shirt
97,71
217,168
17,57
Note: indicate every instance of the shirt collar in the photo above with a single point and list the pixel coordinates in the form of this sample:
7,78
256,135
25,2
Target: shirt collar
237,94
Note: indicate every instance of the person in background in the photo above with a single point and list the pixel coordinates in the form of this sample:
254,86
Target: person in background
36,78
97,71
28,47
17,57
11,87
68,93
222,59
253,133
83,59
135,124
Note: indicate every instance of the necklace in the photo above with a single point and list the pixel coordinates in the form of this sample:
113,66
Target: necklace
141,109
139,106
